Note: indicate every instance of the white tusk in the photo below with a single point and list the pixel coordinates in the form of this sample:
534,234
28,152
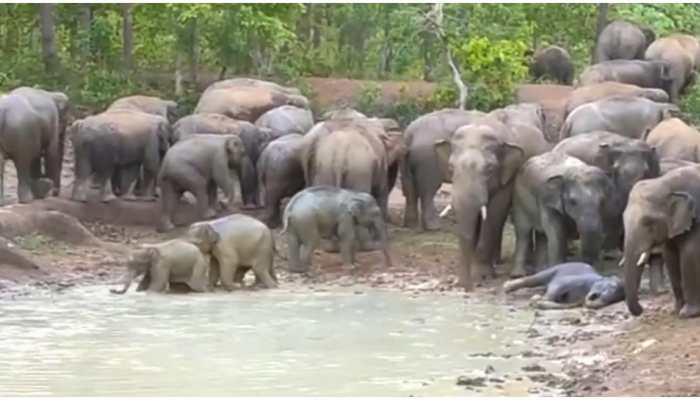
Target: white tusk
621,263
484,213
643,259
446,210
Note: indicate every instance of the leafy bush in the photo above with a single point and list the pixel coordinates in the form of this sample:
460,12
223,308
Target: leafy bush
368,101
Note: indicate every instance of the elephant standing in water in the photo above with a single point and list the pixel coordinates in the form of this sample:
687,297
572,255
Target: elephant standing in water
664,212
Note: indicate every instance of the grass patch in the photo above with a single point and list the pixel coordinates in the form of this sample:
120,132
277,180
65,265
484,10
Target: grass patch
38,243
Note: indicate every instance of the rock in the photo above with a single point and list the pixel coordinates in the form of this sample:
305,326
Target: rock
533,368
478,381
489,369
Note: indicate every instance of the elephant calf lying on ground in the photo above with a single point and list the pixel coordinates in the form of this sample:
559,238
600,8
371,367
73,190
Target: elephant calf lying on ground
571,285
174,261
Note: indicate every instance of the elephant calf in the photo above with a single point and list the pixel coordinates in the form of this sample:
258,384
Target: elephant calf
236,243
174,261
326,212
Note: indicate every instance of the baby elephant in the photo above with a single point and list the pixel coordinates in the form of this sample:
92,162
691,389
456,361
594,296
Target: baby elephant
174,261
571,285
235,242
326,212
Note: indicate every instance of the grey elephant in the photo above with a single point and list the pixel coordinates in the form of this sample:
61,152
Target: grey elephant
236,244
148,104
623,40
254,140
173,261
625,115
680,64
325,212
664,212
571,285
421,176
528,114
118,140
280,175
327,160
285,120
199,165
644,73
32,124
342,113
248,82
481,160
674,139
557,198
597,91
552,62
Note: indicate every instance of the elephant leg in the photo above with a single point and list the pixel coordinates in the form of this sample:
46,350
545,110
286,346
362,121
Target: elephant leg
198,281
309,242
464,270
159,278
214,269
106,193
168,201
40,186
127,180
239,275
523,242
150,169
24,180
672,260
82,172
227,268
145,282
690,275
273,201
2,179
656,273
555,231
294,253
213,196
539,256
223,179
54,161
408,186
201,193
248,184
429,214
263,266
492,231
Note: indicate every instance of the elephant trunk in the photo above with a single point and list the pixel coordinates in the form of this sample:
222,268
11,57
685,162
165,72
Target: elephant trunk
635,256
471,214
128,278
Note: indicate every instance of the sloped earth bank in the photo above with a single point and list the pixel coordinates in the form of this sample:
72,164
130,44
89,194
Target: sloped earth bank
433,338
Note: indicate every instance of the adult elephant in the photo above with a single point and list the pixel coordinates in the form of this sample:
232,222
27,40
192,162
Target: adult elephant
352,154
674,139
481,160
248,82
664,211
680,63
523,114
644,73
286,120
420,172
148,104
342,113
556,198
553,62
691,44
625,115
254,140
622,40
280,174
597,91
118,140
199,165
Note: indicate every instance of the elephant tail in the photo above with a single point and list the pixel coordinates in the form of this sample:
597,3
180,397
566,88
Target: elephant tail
408,185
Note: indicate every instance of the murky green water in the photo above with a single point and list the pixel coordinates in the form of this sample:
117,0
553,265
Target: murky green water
276,342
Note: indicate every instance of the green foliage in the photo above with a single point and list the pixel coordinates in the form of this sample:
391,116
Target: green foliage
369,99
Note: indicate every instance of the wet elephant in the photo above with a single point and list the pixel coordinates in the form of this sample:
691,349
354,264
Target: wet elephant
598,91
674,139
552,62
664,212
557,198
481,160
325,212
286,120
199,165
622,40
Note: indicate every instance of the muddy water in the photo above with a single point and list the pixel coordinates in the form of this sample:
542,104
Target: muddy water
351,341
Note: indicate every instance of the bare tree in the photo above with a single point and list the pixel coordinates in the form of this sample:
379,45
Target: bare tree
128,36
84,26
601,22
48,38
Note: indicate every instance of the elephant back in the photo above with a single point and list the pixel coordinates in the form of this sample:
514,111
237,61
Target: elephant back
246,103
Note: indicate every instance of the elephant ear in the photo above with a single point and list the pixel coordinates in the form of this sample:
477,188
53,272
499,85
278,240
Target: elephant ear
605,159
653,163
682,206
394,146
513,158
443,149
552,193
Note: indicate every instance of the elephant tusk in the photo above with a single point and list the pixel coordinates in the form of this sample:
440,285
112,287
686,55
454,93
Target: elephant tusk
643,259
446,210
621,263
484,213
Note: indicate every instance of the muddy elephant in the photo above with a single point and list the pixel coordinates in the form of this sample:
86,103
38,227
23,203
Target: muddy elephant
680,64
286,120
421,176
235,243
31,134
254,140
481,160
557,198
625,115
326,212
597,91
124,141
674,139
174,261
663,211
552,62
622,40
327,158
280,175
643,73
625,160
199,165
148,104
246,102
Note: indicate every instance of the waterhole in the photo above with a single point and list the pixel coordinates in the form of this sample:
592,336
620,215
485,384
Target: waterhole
343,341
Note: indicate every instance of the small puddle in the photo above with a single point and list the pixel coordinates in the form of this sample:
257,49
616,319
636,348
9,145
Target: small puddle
345,341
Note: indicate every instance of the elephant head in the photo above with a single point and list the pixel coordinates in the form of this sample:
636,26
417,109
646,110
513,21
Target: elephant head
203,236
395,147
653,216
171,110
365,211
235,151
604,292
138,264
581,195
628,165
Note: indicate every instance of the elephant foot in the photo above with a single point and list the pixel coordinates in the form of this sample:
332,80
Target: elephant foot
166,227
467,285
410,220
689,311
517,272
431,225
107,198
249,207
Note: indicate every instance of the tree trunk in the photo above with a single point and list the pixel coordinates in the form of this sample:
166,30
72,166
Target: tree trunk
434,21
192,52
178,74
128,37
84,26
48,39
601,22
